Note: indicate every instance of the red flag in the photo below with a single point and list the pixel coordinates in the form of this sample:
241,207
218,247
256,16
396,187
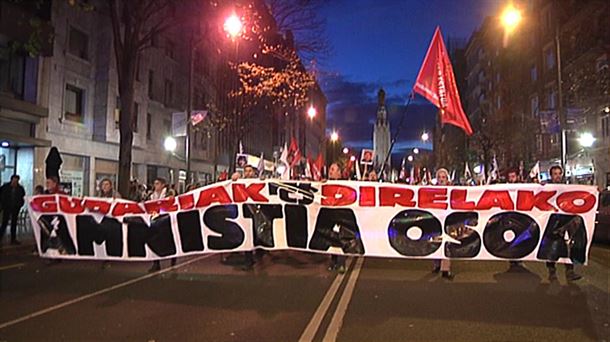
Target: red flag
316,168
224,175
347,171
294,154
436,82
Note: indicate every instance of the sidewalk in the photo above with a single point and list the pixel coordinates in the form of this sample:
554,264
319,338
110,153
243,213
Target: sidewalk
28,245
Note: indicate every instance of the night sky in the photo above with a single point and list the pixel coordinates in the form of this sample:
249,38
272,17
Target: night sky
382,44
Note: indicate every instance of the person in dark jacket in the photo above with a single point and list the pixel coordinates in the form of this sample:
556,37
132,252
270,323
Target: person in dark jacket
12,198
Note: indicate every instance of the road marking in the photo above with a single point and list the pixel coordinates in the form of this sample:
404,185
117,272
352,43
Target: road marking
11,266
97,293
314,324
346,296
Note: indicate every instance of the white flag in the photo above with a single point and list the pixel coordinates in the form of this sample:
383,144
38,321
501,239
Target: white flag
412,175
358,175
261,165
535,171
241,148
308,173
285,171
493,174
467,173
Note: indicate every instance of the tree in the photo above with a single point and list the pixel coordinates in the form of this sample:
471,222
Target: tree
301,19
134,25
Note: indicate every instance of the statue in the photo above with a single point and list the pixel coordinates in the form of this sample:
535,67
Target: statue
381,98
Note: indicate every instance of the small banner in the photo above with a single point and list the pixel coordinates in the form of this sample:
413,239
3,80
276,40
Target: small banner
552,222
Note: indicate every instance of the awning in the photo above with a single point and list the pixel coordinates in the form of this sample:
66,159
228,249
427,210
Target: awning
15,140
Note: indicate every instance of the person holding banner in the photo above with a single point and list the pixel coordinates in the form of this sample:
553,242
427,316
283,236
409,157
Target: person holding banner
159,192
106,190
443,265
249,173
337,261
512,177
556,174
52,184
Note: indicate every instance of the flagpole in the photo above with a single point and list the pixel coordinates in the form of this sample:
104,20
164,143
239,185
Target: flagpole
396,134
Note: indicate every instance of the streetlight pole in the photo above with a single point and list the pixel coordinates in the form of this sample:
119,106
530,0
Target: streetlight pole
560,109
189,109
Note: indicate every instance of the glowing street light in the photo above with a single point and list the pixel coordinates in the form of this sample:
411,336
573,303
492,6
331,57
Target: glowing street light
416,150
233,26
425,136
586,139
410,158
170,144
352,158
345,150
4,143
311,112
511,17
334,136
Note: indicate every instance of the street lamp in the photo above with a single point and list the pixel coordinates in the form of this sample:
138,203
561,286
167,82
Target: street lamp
233,26
416,150
345,150
586,139
334,136
170,144
425,136
410,158
311,112
511,17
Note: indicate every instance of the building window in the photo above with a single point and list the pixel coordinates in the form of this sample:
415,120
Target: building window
78,44
168,95
148,126
138,67
534,73
167,127
151,83
548,20
170,47
601,63
606,126
549,58
499,102
117,112
534,106
12,72
551,99
73,103
203,140
134,122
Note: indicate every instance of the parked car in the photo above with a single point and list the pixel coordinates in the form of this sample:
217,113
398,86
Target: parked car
602,220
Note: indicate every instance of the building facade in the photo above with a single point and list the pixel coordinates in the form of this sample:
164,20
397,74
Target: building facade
68,97
512,95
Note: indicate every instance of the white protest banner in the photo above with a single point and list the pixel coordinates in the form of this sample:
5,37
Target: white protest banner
497,222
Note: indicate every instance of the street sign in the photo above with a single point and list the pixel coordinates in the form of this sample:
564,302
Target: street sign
179,124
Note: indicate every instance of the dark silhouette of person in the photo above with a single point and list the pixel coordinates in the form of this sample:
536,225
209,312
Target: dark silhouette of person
53,164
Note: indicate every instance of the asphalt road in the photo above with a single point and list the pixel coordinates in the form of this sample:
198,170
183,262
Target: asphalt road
290,296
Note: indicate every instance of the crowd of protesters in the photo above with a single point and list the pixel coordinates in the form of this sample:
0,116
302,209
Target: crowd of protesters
12,195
